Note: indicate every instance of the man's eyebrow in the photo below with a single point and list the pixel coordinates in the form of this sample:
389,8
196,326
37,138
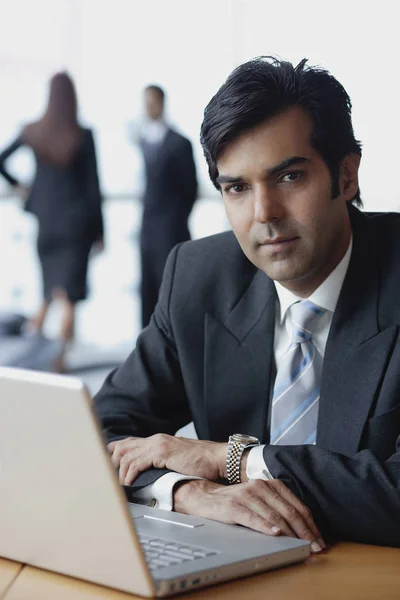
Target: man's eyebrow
228,179
285,164
288,162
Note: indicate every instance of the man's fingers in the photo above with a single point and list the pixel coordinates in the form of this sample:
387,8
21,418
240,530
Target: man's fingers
131,465
132,473
248,518
213,501
118,448
261,511
302,509
121,444
118,455
293,511
116,458
141,453
227,505
123,468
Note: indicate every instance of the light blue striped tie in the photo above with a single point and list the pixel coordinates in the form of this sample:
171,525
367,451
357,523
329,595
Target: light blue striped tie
296,391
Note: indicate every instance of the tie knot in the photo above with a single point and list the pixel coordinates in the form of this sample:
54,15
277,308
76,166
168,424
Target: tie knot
304,316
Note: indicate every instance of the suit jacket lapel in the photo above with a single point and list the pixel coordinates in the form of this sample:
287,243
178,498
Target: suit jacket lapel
238,360
349,379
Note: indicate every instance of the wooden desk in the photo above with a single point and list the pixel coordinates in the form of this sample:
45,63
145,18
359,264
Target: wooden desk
8,572
346,572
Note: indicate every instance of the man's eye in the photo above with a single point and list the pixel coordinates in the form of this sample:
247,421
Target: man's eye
290,177
235,189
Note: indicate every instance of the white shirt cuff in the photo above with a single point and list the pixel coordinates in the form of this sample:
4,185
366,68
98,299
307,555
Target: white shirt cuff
256,467
160,493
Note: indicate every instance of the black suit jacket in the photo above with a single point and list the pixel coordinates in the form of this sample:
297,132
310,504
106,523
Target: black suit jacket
171,186
66,200
207,355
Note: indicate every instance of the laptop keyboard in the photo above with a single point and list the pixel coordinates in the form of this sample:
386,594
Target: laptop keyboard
163,553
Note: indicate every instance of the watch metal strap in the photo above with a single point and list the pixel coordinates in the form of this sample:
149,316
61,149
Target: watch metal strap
234,454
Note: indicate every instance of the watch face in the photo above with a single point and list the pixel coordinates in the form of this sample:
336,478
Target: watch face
245,439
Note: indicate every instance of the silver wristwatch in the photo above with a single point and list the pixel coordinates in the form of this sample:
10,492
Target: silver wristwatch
237,443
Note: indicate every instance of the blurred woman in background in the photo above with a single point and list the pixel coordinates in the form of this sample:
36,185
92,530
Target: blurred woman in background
65,197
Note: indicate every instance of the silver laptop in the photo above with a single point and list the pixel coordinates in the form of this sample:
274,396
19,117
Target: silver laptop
62,508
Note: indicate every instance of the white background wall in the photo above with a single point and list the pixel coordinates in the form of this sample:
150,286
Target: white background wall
114,48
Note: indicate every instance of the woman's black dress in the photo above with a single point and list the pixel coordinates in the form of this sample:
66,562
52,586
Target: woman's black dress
67,204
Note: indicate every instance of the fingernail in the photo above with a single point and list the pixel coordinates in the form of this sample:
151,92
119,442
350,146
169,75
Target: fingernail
321,543
315,547
275,529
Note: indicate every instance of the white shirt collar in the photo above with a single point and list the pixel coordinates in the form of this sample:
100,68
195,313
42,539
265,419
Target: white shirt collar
326,295
154,131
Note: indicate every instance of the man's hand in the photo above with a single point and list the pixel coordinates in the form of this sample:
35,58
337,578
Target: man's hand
162,451
266,506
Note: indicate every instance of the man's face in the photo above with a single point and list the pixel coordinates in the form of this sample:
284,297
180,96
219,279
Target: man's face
278,197
153,104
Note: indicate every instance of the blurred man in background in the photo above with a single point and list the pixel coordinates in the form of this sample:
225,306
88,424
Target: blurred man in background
169,195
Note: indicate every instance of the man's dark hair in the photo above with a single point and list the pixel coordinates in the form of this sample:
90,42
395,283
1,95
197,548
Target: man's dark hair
157,89
265,87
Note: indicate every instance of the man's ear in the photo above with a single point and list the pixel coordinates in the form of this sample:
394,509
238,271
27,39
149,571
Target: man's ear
349,176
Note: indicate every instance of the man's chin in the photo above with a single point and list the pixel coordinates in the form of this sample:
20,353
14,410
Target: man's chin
280,270
285,277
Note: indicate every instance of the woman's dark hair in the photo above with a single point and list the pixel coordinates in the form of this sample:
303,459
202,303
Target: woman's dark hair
266,86
56,137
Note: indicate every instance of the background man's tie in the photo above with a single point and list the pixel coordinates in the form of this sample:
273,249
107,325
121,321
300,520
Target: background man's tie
296,391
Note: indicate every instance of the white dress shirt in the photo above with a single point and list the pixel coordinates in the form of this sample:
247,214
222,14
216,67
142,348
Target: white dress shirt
152,131
160,493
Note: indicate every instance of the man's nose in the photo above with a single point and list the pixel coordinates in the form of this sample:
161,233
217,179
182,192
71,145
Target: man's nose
267,206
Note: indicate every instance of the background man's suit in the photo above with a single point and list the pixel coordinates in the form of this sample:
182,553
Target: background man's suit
208,356
168,199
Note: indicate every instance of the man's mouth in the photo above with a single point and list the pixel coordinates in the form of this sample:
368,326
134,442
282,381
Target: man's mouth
279,241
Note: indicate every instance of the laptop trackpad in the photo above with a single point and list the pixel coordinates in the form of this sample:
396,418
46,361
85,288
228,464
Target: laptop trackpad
155,514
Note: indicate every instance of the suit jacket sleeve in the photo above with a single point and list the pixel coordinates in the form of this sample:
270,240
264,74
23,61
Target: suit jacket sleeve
355,498
146,395
187,174
3,157
92,189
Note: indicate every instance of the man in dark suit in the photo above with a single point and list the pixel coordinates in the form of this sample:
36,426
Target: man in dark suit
168,198
228,346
